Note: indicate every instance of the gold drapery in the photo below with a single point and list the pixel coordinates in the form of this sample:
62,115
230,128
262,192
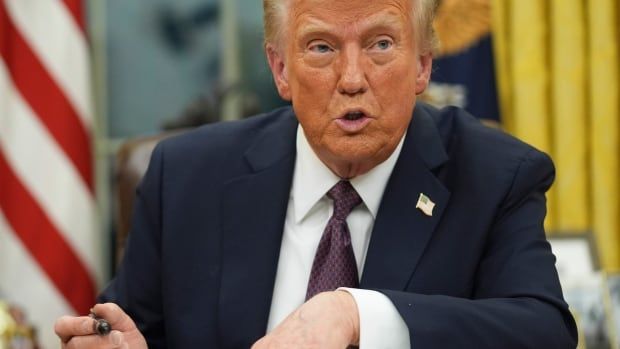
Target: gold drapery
558,68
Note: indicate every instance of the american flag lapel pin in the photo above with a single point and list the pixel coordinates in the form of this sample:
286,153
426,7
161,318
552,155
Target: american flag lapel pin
425,204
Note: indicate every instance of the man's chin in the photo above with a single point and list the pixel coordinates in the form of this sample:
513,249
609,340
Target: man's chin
350,161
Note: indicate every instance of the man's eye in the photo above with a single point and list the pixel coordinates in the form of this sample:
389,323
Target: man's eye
320,48
383,44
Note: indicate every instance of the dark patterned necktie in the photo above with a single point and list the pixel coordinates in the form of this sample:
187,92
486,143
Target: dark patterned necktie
334,263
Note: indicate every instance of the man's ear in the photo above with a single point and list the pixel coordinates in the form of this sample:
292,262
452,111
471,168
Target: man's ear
278,69
425,66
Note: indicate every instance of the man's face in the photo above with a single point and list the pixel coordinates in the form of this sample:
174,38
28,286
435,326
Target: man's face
352,72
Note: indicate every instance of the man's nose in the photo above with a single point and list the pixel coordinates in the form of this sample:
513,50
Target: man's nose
352,75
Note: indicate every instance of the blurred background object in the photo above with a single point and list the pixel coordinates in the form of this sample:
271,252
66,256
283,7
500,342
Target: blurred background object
15,332
161,56
463,66
127,73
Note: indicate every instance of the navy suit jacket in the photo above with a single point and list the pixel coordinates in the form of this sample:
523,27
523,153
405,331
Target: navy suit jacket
201,260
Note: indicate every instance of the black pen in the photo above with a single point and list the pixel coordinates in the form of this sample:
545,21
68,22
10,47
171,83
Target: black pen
100,326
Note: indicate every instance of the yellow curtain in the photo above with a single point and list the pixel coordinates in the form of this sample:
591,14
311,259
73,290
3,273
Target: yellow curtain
558,68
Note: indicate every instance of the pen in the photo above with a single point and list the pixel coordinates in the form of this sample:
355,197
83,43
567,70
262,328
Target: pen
100,326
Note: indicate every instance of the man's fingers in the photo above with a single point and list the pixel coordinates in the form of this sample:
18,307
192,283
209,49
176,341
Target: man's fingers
114,340
117,318
67,327
80,331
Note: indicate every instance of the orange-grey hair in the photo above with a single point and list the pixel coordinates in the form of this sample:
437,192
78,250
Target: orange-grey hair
275,15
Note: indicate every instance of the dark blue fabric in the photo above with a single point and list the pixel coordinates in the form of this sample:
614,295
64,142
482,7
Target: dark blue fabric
201,261
473,68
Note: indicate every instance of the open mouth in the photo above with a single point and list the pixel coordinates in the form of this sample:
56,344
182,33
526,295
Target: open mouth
353,121
352,116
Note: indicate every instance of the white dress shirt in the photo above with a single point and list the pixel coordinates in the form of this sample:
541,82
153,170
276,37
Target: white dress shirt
308,212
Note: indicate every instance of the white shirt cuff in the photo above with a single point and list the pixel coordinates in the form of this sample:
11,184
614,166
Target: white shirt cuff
381,326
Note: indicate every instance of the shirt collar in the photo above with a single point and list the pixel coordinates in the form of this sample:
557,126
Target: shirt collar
312,179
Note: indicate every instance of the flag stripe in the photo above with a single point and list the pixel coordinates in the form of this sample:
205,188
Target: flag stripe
50,252
45,244
45,98
47,173
60,45
77,11
25,284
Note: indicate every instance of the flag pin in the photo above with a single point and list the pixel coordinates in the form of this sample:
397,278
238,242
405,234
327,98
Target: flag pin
425,205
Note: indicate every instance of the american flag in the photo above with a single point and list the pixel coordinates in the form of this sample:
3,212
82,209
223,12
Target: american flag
50,257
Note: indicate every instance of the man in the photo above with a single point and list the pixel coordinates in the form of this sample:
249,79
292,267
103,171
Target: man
244,232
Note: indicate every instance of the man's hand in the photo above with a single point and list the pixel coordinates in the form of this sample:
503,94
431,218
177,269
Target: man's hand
79,332
329,320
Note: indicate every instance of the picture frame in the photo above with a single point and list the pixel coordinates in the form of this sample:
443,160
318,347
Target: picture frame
589,302
613,293
576,254
586,288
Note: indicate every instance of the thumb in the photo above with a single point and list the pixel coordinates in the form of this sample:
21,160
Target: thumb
113,314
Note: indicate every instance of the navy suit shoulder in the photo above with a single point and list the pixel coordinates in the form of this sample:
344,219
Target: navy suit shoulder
483,157
222,146
484,149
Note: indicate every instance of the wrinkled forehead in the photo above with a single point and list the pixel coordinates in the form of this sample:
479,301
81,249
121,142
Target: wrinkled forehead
312,23
311,14
348,8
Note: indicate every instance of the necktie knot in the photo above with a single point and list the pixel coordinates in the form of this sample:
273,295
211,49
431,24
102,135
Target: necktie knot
345,199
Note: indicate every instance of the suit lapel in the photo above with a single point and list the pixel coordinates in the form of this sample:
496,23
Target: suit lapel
401,231
253,214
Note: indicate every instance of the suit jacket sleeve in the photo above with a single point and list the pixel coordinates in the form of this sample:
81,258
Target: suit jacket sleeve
517,301
137,285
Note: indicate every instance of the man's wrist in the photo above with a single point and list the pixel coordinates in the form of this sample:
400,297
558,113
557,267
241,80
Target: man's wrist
351,313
